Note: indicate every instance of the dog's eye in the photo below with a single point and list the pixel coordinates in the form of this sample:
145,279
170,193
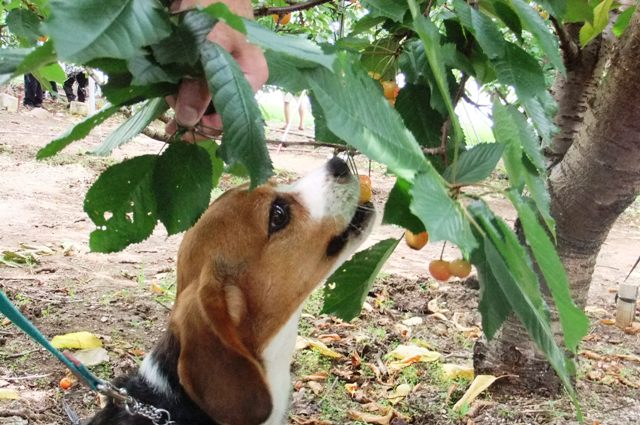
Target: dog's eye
278,216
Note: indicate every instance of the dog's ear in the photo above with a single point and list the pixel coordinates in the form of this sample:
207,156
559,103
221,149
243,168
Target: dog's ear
215,367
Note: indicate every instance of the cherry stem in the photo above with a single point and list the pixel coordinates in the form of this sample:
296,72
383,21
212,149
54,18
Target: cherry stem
442,252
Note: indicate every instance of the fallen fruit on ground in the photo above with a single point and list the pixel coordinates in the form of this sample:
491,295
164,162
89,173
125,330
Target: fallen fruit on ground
66,383
416,240
439,269
365,189
460,268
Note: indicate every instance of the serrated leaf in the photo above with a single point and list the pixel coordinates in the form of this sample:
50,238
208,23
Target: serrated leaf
284,73
536,184
422,120
484,30
508,16
541,118
78,132
243,138
590,31
532,22
217,165
514,273
146,73
41,56
394,9
23,23
442,216
51,72
182,185
380,57
397,209
347,288
474,165
298,48
623,21
520,70
320,129
122,204
575,324
10,60
151,110
90,29
357,112
182,46
220,11
494,306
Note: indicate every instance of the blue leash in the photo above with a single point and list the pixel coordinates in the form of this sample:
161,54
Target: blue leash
131,405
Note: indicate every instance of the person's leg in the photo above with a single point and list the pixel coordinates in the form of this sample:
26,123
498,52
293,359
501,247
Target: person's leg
28,90
301,110
83,82
54,89
38,93
287,113
68,87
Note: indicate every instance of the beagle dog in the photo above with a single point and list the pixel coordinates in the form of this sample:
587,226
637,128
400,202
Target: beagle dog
244,270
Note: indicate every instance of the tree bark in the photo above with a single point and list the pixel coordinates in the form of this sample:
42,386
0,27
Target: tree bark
596,178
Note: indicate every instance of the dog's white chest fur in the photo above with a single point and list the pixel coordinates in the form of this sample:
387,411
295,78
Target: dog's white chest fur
277,359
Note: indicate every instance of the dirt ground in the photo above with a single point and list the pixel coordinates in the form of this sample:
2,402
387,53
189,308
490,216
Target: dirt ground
124,298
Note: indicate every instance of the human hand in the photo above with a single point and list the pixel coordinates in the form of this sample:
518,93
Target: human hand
193,96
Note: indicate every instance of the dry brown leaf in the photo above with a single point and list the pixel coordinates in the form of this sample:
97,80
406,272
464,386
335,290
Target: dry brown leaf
310,421
591,355
370,418
301,343
413,321
596,311
329,338
318,376
355,358
351,389
633,329
629,357
439,316
608,322
315,387
628,382
479,384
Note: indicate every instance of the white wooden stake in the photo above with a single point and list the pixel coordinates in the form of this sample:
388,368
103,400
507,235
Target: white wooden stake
626,310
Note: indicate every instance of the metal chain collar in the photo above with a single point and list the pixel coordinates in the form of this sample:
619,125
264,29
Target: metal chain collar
133,407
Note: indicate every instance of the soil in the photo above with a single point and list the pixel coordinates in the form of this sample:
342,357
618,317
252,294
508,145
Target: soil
124,298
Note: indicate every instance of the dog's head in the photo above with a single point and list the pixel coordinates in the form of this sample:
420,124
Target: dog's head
245,269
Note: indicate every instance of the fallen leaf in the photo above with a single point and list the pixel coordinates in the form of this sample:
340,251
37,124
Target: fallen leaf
329,338
318,376
76,341
596,311
608,322
92,356
629,357
403,331
591,355
439,316
479,384
370,418
315,387
628,382
311,421
8,394
156,289
454,371
433,307
413,321
633,329
323,349
301,343
399,394
410,354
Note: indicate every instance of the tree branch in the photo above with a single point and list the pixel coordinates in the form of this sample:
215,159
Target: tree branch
568,46
265,11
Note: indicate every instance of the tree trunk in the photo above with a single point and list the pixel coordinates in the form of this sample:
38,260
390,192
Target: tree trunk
597,178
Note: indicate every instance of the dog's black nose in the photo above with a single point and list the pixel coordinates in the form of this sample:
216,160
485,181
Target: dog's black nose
338,168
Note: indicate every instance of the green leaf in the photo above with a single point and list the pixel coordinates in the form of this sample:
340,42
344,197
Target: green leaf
182,185
508,16
494,306
357,112
380,57
346,289
474,165
506,132
541,117
623,21
24,23
578,11
145,72
221,12
421,119
442,216
243,138
78,132
122,204
600,20
484,30
321,131
217,165
41,56
10,59
394,9
532,22
575,324
536,184
297,48
151,110
51,72
182,46
284,73
90,29
397,209
519,69
512,269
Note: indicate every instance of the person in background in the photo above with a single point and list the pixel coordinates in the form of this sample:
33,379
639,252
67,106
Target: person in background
32,92
75,74
302,108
